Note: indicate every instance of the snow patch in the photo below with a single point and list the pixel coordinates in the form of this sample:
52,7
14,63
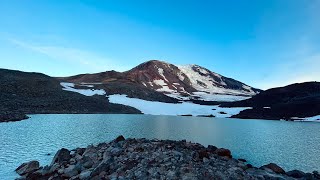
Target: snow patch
144,84
87,92
203,71
174,86
150,83
210,83
218,97
161,72
309,119
160,82
164,86
87,85
160,108
181,77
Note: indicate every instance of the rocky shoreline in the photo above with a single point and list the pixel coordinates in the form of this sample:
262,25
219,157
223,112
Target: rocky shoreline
152,159
11,117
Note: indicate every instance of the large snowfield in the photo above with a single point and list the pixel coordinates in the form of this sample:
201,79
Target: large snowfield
160,108
156,108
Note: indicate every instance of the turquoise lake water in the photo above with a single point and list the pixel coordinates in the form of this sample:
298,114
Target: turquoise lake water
292,145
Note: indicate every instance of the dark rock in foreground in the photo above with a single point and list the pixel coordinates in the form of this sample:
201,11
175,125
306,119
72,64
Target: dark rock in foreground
152,159
275,168
28,168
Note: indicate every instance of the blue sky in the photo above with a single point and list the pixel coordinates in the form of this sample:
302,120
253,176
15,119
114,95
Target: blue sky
261,43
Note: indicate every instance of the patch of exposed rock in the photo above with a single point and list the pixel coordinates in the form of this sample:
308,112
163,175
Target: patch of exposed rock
152,159
12,116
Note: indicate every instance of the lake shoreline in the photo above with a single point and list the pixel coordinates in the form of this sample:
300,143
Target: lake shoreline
12,117
142,158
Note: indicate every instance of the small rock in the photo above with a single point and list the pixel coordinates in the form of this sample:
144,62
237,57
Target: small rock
45,170
139,149
102,167
60,171
92,153
88,164
28,167
224,152
54,168
242,160
70,171
203,154
63,155
80,151
195,155
316,174
296,174
171,174
116,151
249,166
119,138
84,175
72,161
275,168
310,176
212,148
205,160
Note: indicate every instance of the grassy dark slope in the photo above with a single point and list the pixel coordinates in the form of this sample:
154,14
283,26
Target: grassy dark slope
38,93
296,100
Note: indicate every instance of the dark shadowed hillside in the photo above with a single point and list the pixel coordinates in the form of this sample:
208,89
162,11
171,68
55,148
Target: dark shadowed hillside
38,93
296,100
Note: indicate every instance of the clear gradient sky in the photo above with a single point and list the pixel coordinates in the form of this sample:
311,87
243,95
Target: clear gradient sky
261,43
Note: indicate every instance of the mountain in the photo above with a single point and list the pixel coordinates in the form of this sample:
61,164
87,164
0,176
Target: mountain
164,83
296,100
36,93
169,83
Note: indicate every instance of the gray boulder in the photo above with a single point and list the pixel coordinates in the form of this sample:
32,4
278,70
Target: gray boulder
63,155
296,174
102,167
70,171
84,175
28,167
224,152
119,138
275,168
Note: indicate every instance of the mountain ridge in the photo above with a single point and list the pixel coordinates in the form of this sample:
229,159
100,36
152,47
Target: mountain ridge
190,82
36,93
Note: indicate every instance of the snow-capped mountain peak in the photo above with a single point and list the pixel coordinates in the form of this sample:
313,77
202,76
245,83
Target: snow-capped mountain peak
205,80
185,82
